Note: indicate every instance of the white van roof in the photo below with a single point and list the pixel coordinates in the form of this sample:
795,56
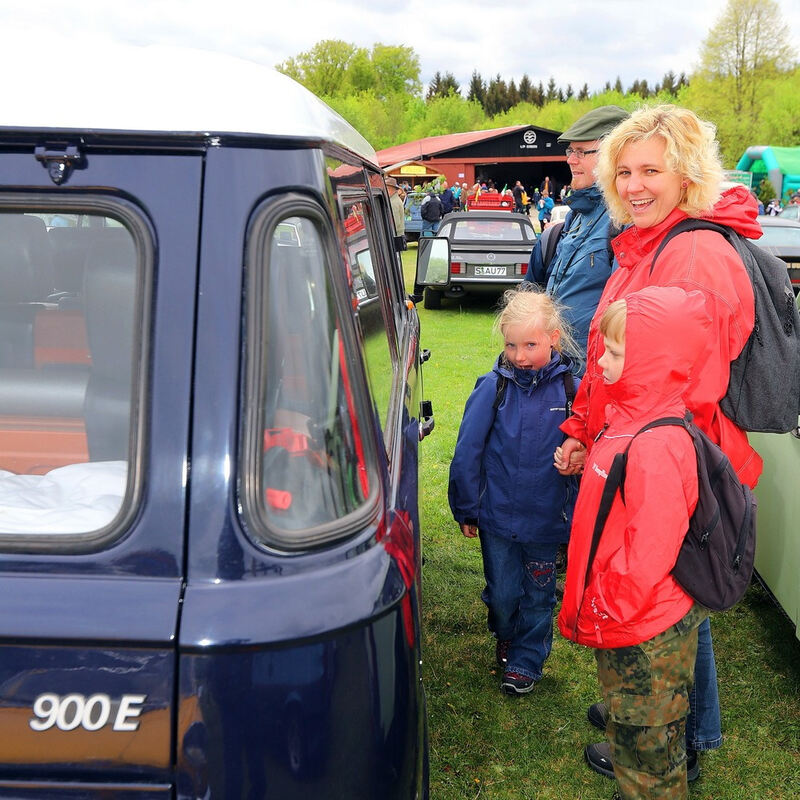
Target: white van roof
113,87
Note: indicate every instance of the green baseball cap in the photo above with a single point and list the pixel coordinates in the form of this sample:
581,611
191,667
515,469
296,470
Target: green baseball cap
595,124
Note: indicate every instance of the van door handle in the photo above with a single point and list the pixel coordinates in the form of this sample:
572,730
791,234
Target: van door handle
426,421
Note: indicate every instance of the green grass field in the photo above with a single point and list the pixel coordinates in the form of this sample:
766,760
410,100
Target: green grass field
486,745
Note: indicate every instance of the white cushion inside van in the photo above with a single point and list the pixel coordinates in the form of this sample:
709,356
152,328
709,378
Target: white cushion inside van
72,499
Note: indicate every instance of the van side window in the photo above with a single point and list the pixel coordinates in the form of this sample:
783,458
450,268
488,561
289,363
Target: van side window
70,339
373,295
305,434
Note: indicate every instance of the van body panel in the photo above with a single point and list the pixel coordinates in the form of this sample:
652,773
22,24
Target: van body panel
98,609
288,664
91,628
284,722
71,790
207,328
105,709
232,613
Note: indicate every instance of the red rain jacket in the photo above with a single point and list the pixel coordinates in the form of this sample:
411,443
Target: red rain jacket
630,595
700,260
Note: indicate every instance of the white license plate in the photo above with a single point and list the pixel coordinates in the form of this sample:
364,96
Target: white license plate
493,271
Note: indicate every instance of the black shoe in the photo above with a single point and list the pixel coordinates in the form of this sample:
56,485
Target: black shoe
501,652
598,757
598,715
514,683
692,765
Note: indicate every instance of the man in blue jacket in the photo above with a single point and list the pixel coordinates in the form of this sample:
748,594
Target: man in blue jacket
447,198
582,261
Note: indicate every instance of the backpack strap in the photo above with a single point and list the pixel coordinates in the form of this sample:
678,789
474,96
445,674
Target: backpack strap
569,392
616,480
549,242
692,224
500,392
564,268
614,230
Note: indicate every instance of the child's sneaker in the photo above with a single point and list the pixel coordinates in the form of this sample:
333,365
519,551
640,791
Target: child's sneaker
514,683
501,652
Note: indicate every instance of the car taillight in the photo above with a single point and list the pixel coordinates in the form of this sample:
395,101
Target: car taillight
456,268
522,268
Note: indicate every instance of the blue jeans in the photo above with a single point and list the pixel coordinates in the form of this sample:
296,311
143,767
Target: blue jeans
520,594
429,228
703,726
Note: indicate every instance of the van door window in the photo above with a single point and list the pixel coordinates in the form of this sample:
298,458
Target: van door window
71,336
373,294
306,442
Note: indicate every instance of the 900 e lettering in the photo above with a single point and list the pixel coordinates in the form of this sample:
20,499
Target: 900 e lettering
72,711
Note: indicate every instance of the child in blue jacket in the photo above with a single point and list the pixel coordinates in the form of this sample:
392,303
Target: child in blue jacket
503,486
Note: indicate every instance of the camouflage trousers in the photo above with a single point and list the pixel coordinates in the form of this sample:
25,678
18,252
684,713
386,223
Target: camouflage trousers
646,689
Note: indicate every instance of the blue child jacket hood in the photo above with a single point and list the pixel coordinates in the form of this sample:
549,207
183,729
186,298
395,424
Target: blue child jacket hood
502,476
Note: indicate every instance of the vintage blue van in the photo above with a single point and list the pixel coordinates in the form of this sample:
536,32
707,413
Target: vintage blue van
210,411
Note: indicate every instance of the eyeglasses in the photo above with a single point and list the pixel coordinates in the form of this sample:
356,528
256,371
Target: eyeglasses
578,153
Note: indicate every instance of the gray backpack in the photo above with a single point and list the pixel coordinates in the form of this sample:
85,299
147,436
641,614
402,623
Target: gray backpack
715,562
764,387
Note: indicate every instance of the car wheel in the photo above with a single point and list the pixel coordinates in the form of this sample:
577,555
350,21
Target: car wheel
433,299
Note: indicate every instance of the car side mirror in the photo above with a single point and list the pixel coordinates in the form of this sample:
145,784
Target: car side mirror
433,262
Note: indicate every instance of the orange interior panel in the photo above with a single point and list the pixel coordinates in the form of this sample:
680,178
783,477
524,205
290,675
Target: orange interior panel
59,337
35,445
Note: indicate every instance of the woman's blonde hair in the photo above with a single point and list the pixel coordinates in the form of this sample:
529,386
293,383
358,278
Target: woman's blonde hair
612,323
528,304
692,151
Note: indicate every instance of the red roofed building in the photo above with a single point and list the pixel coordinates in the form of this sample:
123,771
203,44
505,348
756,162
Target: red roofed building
503,155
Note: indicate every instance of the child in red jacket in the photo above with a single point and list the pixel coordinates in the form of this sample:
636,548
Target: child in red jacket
628,607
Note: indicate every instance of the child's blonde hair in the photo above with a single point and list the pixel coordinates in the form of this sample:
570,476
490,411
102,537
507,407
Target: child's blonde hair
528,304
612,323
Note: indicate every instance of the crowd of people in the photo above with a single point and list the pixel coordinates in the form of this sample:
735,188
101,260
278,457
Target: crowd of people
774,206
596,344
536,201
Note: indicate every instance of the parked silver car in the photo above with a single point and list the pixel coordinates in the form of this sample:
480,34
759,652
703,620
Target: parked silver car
489,252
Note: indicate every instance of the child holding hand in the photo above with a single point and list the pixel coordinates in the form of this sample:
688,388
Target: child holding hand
503,487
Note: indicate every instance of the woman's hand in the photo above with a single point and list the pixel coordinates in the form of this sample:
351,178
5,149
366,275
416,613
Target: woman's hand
470,531
570,457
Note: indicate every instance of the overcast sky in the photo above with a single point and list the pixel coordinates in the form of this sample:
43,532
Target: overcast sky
575,41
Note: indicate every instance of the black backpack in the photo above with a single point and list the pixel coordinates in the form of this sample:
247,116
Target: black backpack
549,241
432,210
551,236
764,387
715,563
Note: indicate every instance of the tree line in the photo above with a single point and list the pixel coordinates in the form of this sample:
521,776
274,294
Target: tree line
497,96
747,84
